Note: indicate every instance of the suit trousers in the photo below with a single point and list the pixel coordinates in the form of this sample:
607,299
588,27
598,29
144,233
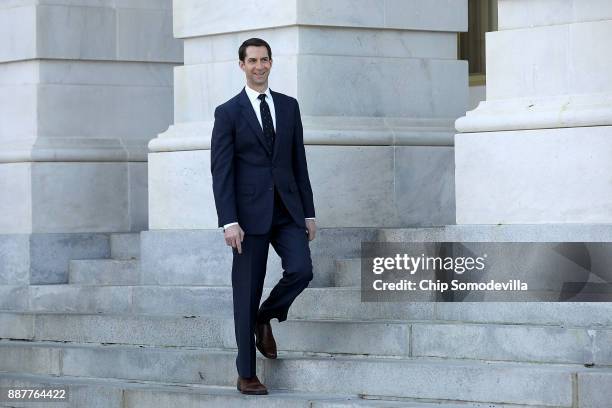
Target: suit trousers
290,242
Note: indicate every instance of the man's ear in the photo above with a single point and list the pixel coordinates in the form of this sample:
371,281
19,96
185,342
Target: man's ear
241,64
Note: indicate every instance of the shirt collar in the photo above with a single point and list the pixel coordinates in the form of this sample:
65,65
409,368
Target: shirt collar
253,94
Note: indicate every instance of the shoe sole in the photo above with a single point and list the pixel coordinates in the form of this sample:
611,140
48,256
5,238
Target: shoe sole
262,392
271,357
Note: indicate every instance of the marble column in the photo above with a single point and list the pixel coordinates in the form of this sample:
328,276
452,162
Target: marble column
538,149
379,87
83,87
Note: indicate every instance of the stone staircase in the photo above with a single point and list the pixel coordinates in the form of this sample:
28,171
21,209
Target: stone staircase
120,343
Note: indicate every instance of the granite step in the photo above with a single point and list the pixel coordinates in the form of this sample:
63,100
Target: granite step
439,339
125,246
113,393
317,303
347,273
104,272
313,303
417,378
313,336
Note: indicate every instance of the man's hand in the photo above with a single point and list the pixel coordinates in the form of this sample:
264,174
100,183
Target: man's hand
234,236
312,229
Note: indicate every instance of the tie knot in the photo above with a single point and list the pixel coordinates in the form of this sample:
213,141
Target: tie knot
261,97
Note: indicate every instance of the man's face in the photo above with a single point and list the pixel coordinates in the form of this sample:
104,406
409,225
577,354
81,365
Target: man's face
256,65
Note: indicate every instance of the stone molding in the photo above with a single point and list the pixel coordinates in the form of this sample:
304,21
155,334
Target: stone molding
538,113
330,130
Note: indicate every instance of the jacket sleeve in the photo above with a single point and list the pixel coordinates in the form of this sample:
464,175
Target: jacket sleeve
300,168
222,168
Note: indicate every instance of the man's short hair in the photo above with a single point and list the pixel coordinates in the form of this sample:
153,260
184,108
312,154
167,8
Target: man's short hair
257,42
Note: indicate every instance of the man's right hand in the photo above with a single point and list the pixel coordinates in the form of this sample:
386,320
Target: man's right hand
234,236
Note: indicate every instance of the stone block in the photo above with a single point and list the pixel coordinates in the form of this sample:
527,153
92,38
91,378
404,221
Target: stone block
594,389
80,394
544,313
530,177
424,185
20,357
361,193
80,299
500,233
73,32
104,272
83,197
438,15
284,42
16,326
175,331
183,300
182,257
383,339
408,81
125,246
514,14
14,259
554,344
192,19
146,35
151,364
16,181
180,191
13,297
443,380
199,89
540,67
347,273
357,42
84,110
18,120
50,254
17,33
99,73
138,206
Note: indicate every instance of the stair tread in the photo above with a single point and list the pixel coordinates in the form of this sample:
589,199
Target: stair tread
231,392
325,357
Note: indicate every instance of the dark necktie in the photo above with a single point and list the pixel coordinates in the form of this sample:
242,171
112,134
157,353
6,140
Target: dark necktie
266,121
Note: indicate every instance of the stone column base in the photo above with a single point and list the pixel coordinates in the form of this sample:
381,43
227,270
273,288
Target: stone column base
541,176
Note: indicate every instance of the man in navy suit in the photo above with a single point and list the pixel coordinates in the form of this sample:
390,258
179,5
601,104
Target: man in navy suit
263,196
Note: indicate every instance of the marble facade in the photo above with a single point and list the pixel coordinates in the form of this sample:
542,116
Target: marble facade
537,150
379,87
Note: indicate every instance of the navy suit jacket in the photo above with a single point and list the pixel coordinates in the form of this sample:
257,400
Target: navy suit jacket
244,173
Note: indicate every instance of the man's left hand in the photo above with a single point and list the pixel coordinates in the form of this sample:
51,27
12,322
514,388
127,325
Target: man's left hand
311,226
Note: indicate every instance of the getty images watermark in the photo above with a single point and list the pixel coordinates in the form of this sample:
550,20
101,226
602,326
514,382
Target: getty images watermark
486,271
459,265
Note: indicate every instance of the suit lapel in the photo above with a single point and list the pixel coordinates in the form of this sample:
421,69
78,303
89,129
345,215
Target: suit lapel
249,114
281,118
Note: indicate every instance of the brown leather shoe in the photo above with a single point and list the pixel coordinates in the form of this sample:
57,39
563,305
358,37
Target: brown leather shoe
265,340
251,386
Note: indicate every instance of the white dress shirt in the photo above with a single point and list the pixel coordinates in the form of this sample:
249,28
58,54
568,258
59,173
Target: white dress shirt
253,96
